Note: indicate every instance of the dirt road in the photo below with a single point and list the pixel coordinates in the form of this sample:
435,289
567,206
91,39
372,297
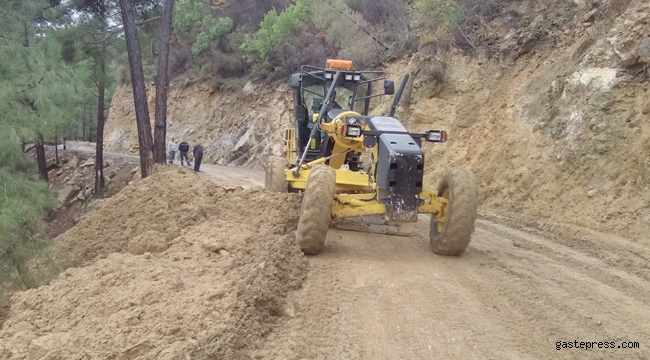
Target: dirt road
513,295
226,175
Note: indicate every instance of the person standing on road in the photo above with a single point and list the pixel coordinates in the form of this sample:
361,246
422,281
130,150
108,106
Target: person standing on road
171,147
198,156
184,148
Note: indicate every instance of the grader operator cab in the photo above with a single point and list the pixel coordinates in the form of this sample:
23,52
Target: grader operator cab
324,152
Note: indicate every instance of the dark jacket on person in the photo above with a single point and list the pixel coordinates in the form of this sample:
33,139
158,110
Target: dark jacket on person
184,147
197,151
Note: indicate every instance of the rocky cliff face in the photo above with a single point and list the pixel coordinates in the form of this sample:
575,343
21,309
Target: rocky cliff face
236,128
551,114
562,132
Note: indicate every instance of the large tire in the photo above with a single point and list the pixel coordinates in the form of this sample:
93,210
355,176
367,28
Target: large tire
460,188
275,179
316,212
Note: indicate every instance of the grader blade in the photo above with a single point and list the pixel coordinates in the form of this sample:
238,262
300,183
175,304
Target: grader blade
373,224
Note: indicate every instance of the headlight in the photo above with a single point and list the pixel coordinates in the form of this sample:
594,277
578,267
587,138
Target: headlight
352,121
357,77
328,76
436,136
348,77
352,131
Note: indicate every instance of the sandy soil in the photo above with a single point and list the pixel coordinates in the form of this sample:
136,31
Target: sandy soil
513,295
232,289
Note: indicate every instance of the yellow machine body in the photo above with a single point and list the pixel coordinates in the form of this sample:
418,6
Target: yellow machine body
356,191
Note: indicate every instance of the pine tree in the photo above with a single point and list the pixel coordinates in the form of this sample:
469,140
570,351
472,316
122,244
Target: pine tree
38,93
162,84
139,90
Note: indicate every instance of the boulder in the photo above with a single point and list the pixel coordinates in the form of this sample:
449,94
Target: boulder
590,16
643,50
74,162
89,162
527,44
68,193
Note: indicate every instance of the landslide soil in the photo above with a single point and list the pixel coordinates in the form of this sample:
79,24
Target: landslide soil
225,288
164,265
513,295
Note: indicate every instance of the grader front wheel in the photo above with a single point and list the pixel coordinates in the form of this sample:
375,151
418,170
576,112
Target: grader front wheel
316,212
452,235
275,179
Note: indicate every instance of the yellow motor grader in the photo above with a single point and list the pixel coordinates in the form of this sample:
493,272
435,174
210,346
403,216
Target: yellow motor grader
324,161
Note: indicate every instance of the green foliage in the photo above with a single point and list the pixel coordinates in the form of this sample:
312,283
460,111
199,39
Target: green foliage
436,16
275,29
192,19
345,31
39,93
213,29
189,15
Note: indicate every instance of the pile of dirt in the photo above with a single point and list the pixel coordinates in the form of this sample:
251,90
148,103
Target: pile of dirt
165,205
176,265
73,179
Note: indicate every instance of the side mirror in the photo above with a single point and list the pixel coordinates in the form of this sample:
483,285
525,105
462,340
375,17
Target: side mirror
295,80
389,87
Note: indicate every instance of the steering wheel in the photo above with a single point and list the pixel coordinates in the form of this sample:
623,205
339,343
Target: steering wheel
344,114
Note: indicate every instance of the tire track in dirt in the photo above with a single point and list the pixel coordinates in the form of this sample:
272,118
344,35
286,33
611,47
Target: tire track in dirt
512,295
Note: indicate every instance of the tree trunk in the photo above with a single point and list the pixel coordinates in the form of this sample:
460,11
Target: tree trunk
83,125
40,158
56,148
101,88
99,151
139,91
162,84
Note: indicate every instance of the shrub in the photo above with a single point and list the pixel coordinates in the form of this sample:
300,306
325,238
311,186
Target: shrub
436,16
212,30
275,31
306,48
180,59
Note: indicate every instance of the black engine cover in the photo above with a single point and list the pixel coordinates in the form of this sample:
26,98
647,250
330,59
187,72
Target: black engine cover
400,171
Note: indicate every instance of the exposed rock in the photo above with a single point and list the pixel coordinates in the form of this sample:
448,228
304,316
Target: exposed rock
68,193
537,22
73,162
89,162
629,60
590,16
528,43
644,50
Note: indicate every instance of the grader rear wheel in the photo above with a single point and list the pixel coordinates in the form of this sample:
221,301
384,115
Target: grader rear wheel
316,212
275,179
460,189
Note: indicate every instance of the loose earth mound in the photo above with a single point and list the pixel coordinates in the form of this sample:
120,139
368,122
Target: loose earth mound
172,264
